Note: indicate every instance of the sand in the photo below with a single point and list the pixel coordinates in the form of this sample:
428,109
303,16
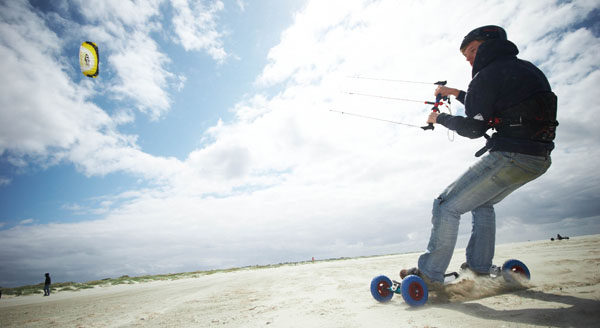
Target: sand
564,292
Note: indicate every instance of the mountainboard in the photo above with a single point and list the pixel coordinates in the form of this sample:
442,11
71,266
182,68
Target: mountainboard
415,291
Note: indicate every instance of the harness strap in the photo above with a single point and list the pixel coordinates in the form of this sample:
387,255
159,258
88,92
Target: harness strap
485,148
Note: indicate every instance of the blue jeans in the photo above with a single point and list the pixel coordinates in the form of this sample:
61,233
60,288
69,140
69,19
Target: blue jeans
484,184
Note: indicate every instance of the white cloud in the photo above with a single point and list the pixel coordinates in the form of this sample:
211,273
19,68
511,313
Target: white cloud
302,46
46,118
195,27
4,181
72,207
241,4
321,175
286,179
41,107
553,19
142,74
122,31
130,12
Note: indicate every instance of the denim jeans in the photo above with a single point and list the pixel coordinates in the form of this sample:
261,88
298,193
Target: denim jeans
484,184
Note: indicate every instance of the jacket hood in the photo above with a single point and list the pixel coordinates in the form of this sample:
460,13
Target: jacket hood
491,50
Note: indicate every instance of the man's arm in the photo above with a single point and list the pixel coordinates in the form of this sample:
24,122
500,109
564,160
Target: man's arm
479,106
464,126
446,91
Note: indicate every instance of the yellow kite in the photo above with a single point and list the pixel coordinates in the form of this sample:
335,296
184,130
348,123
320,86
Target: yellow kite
88,59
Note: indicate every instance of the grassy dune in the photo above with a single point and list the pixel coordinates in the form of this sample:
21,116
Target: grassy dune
75,286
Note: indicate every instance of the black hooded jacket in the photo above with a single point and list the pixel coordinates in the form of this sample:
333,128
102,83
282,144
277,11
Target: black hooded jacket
500,81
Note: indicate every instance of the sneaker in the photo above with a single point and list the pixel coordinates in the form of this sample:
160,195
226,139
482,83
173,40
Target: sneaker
431,284
407,272
494,271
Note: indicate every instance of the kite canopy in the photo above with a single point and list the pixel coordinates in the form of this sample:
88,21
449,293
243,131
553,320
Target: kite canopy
88,59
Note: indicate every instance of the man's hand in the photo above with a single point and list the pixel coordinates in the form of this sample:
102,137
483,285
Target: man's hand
433,117
445,91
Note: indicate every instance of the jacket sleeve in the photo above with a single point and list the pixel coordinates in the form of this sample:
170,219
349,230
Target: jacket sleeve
464,126
461,96
479,105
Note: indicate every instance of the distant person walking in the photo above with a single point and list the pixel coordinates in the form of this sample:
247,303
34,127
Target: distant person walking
47,285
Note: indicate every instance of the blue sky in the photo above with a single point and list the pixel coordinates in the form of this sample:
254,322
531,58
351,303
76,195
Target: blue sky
207,141
207,96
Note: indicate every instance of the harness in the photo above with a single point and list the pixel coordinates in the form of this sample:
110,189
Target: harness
533,119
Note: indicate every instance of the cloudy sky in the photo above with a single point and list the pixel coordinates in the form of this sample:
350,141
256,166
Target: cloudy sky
208,140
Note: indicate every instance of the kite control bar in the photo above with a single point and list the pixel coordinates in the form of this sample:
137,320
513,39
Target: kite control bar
438,101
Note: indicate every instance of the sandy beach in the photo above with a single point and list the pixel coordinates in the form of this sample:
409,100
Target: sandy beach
564,292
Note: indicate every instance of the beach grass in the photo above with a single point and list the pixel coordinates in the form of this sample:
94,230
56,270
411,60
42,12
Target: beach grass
125,279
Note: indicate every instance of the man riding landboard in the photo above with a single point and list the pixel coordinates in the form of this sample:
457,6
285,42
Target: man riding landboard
514,98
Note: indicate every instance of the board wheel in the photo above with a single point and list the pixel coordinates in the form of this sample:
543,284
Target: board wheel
414,290
381,289
514,270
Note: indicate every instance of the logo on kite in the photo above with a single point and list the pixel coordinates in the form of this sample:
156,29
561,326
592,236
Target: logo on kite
88,59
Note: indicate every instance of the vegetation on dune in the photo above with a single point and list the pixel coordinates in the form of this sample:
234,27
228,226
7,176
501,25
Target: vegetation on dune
76,286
